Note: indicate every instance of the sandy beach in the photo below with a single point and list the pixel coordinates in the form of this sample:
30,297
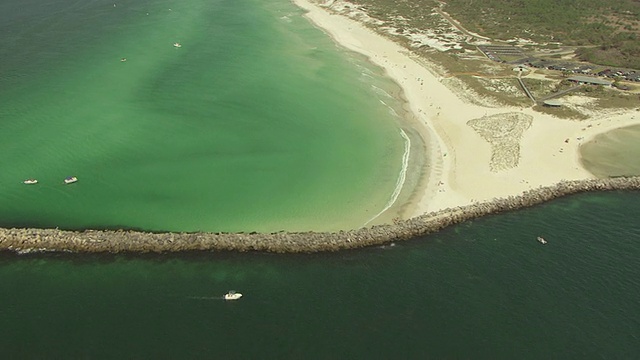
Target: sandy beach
476,153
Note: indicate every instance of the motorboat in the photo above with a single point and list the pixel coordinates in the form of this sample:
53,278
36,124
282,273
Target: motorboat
177,45
30,181
541,240
70,180
232,295
123,59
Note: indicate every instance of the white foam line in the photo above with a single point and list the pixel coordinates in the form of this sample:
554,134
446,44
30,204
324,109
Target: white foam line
391,111
401,178
366,75
380,90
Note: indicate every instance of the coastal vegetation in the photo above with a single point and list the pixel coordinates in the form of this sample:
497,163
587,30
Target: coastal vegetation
604,32
564,112
540,88
458,38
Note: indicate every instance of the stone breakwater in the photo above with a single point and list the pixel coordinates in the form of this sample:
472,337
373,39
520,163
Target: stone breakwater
40,240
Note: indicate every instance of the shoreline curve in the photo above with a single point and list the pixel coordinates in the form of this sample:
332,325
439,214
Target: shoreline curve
23,241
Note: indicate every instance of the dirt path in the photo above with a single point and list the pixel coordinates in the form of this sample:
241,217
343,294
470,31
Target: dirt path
459,26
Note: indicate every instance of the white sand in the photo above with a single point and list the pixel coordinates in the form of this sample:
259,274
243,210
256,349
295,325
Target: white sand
460,172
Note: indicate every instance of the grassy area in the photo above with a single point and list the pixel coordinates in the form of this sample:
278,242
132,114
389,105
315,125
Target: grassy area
494,89
613,27
466,70
604,32
558,28
613,99
561,112
540,88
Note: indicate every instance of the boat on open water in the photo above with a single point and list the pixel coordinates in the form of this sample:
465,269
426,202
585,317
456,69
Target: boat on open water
232,295
541,240
30,181
70,180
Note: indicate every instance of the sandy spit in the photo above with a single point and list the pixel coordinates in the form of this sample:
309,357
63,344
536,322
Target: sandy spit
477,153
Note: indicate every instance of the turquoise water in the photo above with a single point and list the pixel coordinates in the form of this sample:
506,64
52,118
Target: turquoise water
485,289
257,123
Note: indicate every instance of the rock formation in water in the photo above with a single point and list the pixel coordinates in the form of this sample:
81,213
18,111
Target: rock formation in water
41,240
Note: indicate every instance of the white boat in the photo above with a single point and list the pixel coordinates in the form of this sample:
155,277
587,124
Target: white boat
232,295
70,180
177,45
541,240
30,181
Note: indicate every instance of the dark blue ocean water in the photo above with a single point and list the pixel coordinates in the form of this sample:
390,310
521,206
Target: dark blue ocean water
485,289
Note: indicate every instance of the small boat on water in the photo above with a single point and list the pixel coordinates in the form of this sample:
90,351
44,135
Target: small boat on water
30,181
232,295
70,180
177,45
541,240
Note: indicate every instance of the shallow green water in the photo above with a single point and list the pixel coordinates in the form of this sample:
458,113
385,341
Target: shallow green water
165,141
614,153
483,289
258,122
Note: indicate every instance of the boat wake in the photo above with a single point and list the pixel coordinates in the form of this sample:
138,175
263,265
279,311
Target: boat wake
206,297
401,178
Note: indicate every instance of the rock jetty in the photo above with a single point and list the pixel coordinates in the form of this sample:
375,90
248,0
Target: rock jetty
95,241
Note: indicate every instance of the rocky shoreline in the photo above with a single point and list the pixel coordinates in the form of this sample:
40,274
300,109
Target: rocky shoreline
106,241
